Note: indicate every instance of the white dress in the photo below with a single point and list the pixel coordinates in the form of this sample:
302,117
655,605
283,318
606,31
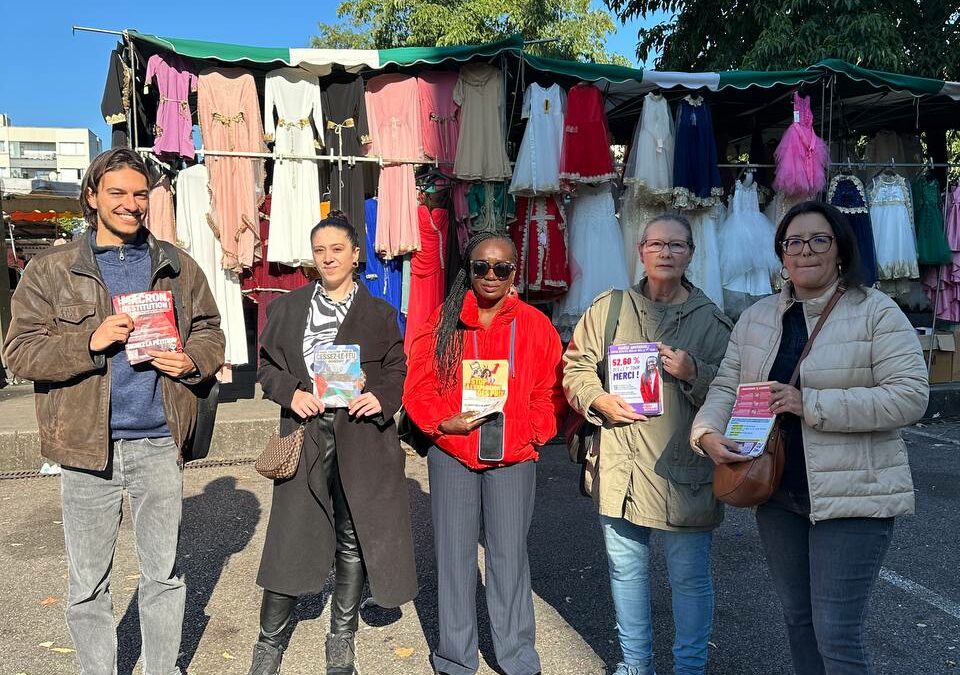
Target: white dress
295,94
891,214
650,167
704,269
198,241
748,262
634,216
537,171
597,261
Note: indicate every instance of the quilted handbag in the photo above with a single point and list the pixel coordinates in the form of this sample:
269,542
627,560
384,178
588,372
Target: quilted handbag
280,459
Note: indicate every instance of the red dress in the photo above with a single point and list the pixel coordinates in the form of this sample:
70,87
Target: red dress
427,270
535,397
585,157
540,235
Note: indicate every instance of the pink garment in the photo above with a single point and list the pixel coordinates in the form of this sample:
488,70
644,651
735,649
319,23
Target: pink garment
439,114
230,120
161,217
802,156
173,131
427,270
393,112
948,308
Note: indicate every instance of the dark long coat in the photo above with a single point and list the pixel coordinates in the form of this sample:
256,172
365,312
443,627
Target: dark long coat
300,543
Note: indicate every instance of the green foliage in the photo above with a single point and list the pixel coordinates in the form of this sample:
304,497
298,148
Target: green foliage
576,31
919,37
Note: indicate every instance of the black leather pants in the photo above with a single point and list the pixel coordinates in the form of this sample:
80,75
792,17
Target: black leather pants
276,608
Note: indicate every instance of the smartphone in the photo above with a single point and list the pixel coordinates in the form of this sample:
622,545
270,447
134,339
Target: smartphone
491,439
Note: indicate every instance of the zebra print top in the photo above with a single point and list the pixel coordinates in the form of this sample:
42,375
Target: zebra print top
323,321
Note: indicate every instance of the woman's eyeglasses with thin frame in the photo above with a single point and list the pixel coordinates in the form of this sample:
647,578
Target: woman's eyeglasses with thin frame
676,247
818,243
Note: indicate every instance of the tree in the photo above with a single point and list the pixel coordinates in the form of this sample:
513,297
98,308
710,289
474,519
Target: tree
920,37
576,31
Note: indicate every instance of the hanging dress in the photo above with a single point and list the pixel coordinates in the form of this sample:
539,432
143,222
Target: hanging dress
748,261
585,156
635,213
540,235
932,246
650,166
891,213
481,148
490,207
230,120
948,305
696,177
802,156
537,171
704,270
393,110
439,115
381,277
848,195
427,270
346,134
161,217
173,130
295,94
196,238
597,260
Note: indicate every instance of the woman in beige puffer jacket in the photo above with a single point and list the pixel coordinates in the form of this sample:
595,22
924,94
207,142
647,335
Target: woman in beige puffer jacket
827,528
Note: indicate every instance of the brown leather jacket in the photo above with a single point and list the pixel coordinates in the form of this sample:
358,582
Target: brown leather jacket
58,304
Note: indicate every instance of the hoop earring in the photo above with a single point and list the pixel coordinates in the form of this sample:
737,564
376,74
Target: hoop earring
840,268
783,274
356,264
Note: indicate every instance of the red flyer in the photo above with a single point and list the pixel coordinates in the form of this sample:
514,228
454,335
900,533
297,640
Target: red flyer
154,323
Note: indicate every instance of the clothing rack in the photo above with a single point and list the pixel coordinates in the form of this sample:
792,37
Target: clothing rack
349,159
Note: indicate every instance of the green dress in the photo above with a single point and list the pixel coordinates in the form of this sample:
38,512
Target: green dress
932,247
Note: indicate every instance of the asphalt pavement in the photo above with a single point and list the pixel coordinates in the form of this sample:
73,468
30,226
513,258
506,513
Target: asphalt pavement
913,628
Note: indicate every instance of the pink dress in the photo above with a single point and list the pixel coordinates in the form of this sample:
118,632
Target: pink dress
161,217
393,112
949,305
439,114
802,156
173,131
230,120
427,270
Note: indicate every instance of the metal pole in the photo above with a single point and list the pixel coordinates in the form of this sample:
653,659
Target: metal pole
132,136
85,29
4,275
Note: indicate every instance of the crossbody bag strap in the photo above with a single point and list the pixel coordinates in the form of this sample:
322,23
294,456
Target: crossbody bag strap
816,331
609,331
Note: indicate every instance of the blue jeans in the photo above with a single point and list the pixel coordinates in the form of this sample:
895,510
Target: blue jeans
691,587
148,469
823,574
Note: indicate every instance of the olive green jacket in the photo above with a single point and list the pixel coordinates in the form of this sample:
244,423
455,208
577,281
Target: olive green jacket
646,472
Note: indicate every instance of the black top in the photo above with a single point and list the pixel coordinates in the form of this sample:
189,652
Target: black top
791,345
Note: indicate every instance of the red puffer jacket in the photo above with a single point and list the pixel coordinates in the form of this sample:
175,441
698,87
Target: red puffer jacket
535,399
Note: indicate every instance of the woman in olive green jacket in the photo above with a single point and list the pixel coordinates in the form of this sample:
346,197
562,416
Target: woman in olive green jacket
645,476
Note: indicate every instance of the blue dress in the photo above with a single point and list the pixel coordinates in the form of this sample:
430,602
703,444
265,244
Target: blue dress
696,177
847,194
381,277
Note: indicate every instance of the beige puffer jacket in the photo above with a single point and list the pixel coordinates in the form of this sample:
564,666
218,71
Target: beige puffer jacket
864,378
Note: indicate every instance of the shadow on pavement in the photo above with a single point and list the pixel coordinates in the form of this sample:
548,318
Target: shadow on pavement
233,515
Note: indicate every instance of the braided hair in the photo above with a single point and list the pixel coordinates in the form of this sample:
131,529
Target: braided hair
448,352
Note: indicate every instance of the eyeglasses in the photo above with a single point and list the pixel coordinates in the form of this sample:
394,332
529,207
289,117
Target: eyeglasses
656,245
818,243
501,269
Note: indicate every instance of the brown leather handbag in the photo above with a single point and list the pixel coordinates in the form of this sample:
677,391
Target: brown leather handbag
280,459
753,482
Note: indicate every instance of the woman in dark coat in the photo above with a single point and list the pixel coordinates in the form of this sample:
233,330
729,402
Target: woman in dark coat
347,504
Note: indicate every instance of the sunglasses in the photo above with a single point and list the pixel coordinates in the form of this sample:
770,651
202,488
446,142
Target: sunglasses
501,270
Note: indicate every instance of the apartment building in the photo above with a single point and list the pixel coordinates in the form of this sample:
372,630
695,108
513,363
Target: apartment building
47,153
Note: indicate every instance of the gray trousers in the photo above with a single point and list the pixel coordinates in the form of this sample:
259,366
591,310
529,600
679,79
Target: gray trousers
503,498
148,470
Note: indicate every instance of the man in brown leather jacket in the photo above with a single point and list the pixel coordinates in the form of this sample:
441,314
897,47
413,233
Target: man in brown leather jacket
114,426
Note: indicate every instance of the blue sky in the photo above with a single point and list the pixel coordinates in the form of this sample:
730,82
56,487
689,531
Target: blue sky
50,77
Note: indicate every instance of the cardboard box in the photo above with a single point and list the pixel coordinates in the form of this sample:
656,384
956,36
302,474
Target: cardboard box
945,366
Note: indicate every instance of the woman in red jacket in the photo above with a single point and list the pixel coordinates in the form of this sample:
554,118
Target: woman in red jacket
483,465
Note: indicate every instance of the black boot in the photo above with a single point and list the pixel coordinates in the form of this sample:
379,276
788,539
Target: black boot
275,612
340,654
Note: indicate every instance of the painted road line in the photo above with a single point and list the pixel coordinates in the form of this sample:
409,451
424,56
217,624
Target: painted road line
927,434
930,597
